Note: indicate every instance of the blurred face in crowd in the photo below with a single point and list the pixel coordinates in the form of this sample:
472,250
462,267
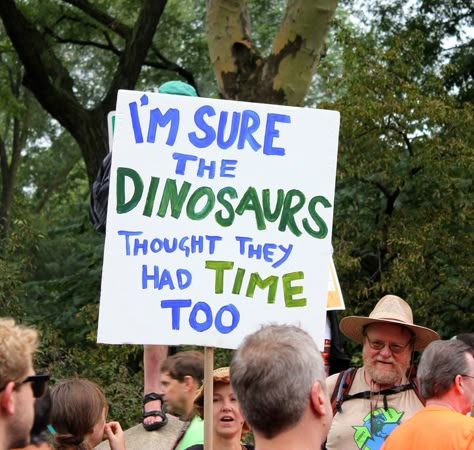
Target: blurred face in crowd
228,420
387,352
175,394
21,421
97,434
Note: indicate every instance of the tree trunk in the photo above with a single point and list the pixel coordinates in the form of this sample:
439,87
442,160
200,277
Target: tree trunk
51,83
285,75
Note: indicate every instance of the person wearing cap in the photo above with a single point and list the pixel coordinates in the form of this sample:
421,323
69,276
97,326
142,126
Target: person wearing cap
153,417
446,376
372,400
19,385
228,424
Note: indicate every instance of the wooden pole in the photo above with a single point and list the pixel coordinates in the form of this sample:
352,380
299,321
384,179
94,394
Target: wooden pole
208,396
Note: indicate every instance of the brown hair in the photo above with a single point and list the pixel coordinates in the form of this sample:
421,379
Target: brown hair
77,405
183,364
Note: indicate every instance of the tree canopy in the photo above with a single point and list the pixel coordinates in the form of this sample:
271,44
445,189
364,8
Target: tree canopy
401,77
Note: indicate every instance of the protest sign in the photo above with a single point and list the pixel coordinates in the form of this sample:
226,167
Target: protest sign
219,220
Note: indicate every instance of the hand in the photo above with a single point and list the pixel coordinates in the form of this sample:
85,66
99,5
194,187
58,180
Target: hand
114,434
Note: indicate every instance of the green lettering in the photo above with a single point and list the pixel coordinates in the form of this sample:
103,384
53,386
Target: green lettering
172,197
270,215
150,198
219,267
238,281
220,219
289,211
289,291
251,202
122,206
199,193
323,228
271,282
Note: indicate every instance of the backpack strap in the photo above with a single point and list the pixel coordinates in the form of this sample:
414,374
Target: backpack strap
341,388
415,385
344,382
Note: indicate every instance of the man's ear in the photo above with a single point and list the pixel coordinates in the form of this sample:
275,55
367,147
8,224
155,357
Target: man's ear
458,385
7,402
318,399
189,382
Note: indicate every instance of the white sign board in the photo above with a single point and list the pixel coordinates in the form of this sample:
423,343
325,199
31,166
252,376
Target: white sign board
219,220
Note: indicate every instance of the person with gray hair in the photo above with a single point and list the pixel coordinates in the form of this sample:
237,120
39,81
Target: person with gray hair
446,375
278,377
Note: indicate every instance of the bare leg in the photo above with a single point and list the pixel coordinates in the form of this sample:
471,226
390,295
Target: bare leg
153,356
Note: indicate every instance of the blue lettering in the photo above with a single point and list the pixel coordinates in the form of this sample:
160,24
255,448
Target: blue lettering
184,278
228,165
271,132
166,280
127,234
157,118
175,306
202,167
225,329
147,277
181,159
250,123
209,133
234,129
203,326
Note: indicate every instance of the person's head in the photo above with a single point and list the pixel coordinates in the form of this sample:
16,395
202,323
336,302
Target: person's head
388,336
228,422
181,377
17,347
278,376
446,370
78,414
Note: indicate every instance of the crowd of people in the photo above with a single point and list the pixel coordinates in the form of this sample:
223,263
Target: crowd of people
276,387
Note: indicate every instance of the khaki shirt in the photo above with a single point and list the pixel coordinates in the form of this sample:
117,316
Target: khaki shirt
354,428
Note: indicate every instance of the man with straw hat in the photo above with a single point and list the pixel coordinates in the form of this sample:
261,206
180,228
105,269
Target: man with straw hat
369,402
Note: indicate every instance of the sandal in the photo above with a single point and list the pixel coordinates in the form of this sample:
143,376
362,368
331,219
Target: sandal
155,413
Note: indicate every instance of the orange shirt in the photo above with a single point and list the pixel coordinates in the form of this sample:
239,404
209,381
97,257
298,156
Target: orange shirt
435,428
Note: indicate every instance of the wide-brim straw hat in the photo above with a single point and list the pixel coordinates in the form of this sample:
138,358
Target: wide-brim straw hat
389,309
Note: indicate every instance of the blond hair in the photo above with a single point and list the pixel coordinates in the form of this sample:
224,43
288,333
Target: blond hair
17,346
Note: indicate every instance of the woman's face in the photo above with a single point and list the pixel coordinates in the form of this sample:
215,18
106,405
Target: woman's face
228,420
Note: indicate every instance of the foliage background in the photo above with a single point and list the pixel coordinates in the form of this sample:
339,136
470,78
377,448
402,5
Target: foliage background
402,78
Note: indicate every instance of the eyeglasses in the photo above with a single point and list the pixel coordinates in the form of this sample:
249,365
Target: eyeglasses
38,383
379,345
465,375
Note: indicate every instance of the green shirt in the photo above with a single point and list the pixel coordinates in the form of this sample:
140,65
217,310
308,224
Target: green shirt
193,435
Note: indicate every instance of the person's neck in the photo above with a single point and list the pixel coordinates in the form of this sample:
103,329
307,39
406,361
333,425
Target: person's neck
220,443
295,438
450,401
